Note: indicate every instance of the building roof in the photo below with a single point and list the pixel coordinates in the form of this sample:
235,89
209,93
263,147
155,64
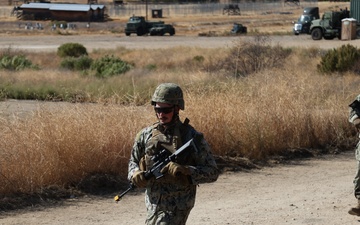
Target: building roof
61,7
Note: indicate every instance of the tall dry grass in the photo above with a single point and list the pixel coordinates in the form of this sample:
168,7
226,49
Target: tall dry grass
61,146
256,116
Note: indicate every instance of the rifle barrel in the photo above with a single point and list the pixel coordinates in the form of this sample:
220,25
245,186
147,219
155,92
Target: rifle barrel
118,197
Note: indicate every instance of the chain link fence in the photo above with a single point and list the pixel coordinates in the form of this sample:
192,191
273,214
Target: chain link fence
208,9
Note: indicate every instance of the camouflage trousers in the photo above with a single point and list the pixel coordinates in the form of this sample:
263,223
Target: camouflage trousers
177,217
357,175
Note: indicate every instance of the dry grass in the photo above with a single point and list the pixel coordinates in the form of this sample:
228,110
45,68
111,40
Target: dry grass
63,146
255,117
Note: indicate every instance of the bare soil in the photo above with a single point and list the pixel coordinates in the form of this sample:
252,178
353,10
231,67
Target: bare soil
93,42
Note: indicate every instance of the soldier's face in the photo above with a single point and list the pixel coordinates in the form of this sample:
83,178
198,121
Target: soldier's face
164,112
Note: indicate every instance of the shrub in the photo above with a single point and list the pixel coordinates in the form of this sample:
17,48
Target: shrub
341,59
199,58
79,64
356,67
16,62
108,66
151,67
71,50
253,56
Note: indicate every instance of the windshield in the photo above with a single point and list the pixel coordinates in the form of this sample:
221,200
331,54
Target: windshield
134,19
304,18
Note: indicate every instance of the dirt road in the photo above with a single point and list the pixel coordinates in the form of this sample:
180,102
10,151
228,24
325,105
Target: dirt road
91,42
316,191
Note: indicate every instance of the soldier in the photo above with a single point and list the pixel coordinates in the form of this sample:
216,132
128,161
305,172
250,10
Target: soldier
354,118
170,199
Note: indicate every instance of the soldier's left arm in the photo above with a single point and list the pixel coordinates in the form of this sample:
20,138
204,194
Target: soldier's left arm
205,169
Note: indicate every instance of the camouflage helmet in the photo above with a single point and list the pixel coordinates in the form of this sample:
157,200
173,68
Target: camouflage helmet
169,93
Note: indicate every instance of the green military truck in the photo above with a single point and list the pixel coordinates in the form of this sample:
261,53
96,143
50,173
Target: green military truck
329,26
139,26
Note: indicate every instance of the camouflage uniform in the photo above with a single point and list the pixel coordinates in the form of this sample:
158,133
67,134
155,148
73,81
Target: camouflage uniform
355,119
169,199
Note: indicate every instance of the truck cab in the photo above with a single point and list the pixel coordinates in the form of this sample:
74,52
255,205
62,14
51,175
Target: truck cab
302,25
139,25
135,24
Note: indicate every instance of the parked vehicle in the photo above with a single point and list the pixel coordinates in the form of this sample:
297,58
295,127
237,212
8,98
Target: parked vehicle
329,26
302,26
139,26
162,29
238,28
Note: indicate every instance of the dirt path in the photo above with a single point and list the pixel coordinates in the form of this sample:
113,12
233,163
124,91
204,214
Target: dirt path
317,191
92,42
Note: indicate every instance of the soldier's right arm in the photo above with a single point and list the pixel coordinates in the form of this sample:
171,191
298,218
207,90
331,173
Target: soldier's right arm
138,150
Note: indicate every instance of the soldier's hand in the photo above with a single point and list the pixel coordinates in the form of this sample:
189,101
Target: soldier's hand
175,169
138,179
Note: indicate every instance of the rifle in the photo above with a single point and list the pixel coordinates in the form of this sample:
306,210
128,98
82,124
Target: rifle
160,161
355,105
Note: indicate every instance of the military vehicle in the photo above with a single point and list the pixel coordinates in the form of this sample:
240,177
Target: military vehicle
162,29
238,28
302,26
329,26
138,25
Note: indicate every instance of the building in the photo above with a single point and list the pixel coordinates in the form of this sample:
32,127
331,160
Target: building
62,12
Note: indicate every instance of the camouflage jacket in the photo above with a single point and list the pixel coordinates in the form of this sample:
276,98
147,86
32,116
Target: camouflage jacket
168,193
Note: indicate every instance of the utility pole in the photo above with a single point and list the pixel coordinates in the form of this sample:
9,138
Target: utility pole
146,9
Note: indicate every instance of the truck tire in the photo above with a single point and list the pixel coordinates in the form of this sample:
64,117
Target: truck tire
127,34
358,32
316,34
